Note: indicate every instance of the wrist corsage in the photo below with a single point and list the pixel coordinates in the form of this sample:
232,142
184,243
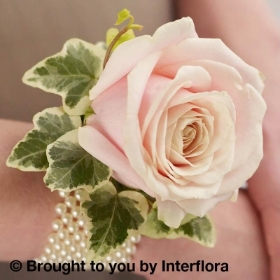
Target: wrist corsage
154,132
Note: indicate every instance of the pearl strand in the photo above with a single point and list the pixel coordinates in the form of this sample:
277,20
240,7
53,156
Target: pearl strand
68,240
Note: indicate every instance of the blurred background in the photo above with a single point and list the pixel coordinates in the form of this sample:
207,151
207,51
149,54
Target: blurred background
31,30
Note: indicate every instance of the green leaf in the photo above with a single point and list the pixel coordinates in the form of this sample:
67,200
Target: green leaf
50,124
72,167
111,216
198,229
70,73
123,15
153,227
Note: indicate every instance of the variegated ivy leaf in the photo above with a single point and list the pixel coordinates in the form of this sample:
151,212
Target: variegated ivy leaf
153,227
201,230
70,73
30,153
72,167
198,229
111,216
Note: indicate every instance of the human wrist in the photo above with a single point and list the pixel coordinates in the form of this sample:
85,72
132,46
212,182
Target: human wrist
27,206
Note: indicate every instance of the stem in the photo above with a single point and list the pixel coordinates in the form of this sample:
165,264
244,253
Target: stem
109,50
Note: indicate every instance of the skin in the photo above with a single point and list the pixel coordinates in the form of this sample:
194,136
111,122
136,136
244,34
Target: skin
27,206
248,236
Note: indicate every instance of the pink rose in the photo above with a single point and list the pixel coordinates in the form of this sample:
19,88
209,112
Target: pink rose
179,117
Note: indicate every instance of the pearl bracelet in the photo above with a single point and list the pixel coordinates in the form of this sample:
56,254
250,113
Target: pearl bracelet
68,240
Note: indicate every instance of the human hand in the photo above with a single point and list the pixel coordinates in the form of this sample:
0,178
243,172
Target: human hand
264,186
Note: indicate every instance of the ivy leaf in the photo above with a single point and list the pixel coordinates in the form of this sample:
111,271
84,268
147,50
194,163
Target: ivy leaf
153,227
70,73
111,216
198,229
30,153
72,167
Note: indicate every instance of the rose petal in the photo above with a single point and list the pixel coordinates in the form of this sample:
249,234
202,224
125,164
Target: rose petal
200,207
207,49
249,106
109,113
166,210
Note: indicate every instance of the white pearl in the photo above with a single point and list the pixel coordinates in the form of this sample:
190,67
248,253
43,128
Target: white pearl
53,257
128,250
108,258
60,208
57,224
63,194
44,258
123,260
62,234
48,249
70,201
83,244
131,250
73,227
67,242
78,194
52,238
57,247
75,211
73,249
118,254
136,238
78,255
77,236
81,222
67,218
63,253
69,258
